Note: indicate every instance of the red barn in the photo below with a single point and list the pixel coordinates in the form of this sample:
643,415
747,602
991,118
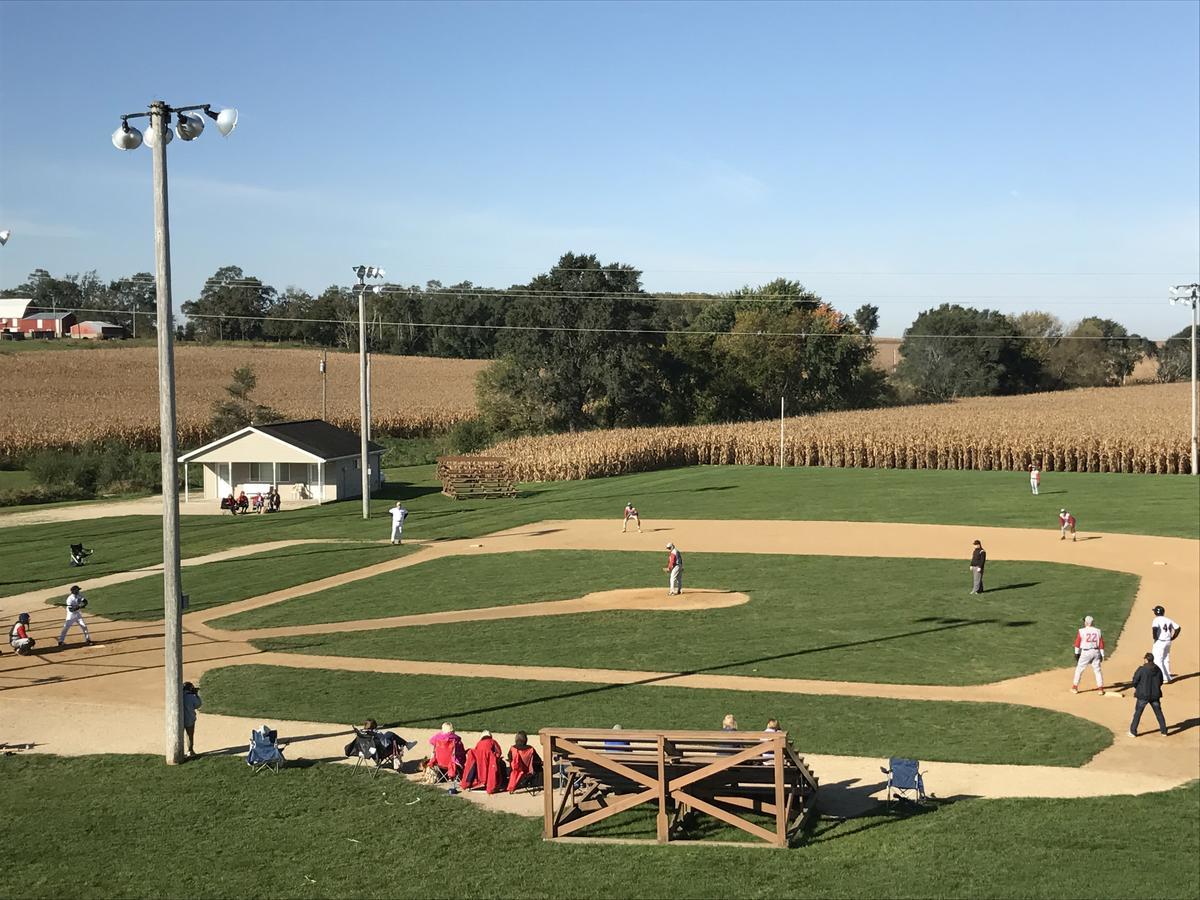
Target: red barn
15,316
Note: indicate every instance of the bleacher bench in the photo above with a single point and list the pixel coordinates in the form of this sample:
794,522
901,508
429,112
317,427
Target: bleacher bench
467,477
729,775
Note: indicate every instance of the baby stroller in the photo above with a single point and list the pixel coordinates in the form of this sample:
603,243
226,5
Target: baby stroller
264,753
79,553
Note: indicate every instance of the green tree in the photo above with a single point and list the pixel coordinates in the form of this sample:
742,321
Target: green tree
1096,352
1175,357
867,319
955,351
238,409
231,306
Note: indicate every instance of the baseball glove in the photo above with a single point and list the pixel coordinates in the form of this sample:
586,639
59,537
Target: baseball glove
83,602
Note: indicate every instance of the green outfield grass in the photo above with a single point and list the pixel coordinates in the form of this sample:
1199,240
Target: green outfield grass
35,555
847,726
907,621
324,831
226,581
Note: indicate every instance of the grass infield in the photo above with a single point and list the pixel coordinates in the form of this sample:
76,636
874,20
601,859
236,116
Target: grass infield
818,723
905,621
35,556
324,831
226,581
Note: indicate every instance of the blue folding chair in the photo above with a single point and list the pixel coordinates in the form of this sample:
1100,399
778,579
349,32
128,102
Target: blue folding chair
904,776
264,753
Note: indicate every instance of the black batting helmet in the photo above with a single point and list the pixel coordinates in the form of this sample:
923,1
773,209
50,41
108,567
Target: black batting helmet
1159,611
23,618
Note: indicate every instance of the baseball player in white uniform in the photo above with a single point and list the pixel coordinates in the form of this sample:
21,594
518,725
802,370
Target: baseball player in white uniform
631,513
1089,651
75,605
399,514
1164,632
1035,478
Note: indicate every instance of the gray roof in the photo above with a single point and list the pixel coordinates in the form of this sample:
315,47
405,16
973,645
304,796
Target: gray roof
318,437
48,315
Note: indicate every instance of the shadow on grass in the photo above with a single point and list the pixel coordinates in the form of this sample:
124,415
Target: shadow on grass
1013,587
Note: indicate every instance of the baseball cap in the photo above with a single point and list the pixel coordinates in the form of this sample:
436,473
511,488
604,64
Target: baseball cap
1087,620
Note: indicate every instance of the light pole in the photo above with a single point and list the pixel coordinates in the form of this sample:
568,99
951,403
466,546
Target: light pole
189,125
1189,295
4,236
364,415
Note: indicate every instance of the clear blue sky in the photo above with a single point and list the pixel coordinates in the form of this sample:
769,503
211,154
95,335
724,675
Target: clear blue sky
1021,155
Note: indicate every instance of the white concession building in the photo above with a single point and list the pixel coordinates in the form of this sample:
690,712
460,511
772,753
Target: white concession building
306,460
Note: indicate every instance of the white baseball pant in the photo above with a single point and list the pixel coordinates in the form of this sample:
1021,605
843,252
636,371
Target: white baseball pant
1089,658
676,580
74,616
1033,486
397,530
1162,658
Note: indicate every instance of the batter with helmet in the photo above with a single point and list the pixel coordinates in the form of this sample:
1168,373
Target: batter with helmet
1164,631
76,603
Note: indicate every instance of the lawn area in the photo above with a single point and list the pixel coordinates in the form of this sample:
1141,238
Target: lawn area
15,478
846,726
323,831
35,556
226,581
907,621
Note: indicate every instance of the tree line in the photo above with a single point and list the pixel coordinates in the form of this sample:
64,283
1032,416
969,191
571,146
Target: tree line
583,345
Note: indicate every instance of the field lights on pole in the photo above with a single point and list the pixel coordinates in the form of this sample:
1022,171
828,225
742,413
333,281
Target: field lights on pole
188,125
1189,295
363,273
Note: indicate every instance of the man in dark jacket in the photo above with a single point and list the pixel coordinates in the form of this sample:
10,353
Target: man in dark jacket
978,560
1147,688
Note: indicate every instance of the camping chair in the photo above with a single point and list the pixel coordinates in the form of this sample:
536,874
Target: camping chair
904,775
370,745
264,753
79,553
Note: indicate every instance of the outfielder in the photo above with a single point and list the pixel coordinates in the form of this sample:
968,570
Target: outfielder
399,514
1089,651
631,513
675,569
1066,523
76,603
18,636
1164,631
1035,478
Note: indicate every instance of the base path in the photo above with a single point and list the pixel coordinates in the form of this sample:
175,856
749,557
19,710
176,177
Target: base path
122,679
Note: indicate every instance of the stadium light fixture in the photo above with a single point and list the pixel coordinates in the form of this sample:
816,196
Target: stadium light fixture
364,406
4,236
1189,295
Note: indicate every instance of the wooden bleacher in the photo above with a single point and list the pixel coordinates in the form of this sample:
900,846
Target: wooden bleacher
724,774
469,477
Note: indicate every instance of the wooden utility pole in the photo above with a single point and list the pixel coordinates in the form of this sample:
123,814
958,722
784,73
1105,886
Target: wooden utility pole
363,412
324,377
172,605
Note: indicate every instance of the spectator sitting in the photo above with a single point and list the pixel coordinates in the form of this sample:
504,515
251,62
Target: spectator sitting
614,744
729,723
391,744
772,728
258,503
243,503
485,766
523,762
449,754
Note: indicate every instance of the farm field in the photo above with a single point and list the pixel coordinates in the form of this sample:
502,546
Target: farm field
411,395
1140,429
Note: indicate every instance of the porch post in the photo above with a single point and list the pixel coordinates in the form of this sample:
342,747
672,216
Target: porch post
275,475
321,481
187,493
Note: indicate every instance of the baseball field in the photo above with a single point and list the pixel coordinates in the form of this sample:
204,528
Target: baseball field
835,600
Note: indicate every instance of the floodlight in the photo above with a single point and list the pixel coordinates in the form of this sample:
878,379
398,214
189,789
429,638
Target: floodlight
226,119
126,137
189,127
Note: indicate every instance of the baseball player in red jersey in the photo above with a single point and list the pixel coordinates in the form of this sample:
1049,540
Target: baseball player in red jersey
1066,523
1089,651
675,570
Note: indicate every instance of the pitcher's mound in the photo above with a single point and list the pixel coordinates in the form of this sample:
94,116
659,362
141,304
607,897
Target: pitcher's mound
656,599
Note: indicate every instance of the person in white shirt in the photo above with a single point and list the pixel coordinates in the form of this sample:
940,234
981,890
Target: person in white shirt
1164,631
1035,478
1089,651
75,604
399,514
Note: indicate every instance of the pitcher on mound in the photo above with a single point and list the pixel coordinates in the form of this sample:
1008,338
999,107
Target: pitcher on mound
674,568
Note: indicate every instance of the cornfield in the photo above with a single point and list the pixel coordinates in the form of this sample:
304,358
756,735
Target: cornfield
1131,429
60,398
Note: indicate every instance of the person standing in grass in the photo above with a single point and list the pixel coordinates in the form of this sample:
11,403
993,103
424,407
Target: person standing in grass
1035,479
674,569
191,703
978,561
1147,690
399,514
